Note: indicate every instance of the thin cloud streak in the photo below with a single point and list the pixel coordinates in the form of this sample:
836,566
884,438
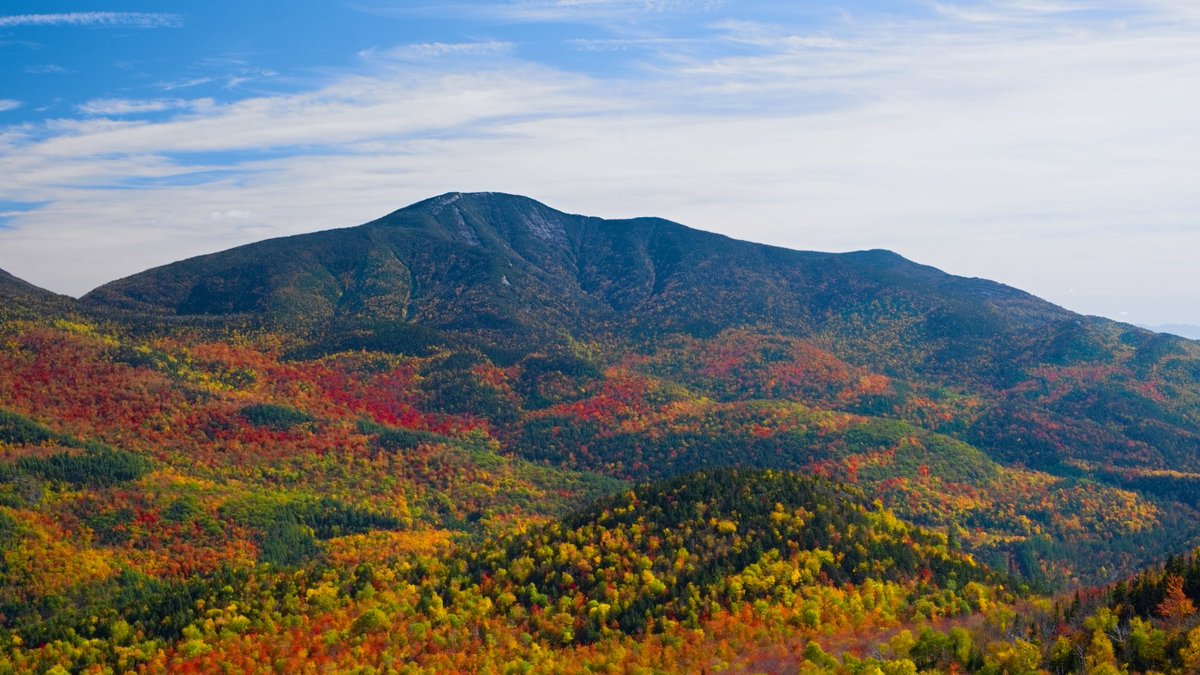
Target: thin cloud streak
95,19
430,50
118,107
49,69
629,44
535,11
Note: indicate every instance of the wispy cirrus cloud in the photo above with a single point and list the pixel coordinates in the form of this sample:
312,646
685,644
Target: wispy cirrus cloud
540,10
630,44
553,8
351,110
230,78
48,69
95,19
121,106
7,104
430,50
1008,11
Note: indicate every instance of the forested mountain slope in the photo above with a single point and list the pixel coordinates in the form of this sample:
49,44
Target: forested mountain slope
21,299
511,277
507,267
480,434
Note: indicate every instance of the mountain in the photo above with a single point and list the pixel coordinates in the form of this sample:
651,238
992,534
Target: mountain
508,269
11,286
21,299
511,276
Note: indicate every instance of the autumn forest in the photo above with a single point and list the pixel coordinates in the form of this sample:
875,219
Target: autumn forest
482,435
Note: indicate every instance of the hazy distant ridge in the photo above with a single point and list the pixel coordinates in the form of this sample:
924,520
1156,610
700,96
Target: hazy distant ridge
1188,331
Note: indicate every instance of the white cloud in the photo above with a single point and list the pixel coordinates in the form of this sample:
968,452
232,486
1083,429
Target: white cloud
7,104
187,82
120,106
1025,11
353,110
231,79
234,215
1050,155
428,50
541,10
628,44
100,19
48,69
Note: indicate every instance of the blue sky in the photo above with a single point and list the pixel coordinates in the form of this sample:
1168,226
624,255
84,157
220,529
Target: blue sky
1049,144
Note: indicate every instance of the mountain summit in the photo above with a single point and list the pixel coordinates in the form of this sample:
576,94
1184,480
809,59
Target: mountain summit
508,269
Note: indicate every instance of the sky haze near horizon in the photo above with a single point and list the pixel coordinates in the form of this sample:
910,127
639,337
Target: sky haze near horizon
1052,145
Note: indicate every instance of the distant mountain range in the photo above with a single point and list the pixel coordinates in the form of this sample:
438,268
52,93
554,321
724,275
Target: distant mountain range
1181,329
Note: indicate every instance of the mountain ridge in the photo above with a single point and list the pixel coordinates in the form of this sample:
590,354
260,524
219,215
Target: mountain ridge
12,284
1183,330
21,299
513,252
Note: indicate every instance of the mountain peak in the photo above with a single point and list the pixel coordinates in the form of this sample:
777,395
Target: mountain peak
488,219
509,270
489,199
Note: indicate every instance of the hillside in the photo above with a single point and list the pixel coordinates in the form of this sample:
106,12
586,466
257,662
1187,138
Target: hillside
13,287
511,277
20,299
